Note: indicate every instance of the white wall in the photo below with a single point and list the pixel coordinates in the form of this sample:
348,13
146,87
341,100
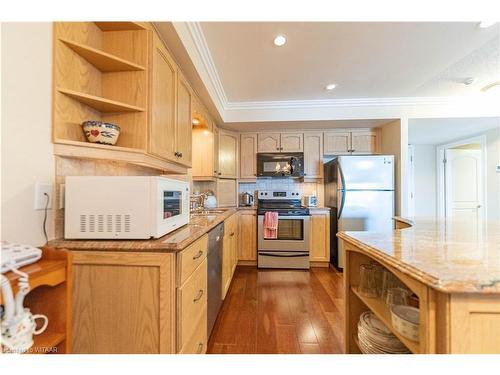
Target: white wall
425,180
27,155
391,145
492,176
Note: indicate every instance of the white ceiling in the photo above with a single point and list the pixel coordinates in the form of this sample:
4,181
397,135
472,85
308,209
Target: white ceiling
285,125
365,59
439,131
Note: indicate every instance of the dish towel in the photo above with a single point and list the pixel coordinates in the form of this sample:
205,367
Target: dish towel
270,225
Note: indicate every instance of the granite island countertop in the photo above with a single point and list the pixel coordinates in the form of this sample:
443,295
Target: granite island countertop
171,242
451,256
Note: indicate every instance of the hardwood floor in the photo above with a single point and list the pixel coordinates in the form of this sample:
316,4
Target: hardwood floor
281,312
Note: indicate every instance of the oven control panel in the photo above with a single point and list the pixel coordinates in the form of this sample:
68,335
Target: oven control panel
278,194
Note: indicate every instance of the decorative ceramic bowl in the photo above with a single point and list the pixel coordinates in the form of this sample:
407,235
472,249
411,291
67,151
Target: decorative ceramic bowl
101,132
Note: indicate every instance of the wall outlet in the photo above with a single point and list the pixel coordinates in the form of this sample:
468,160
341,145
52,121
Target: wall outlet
40,197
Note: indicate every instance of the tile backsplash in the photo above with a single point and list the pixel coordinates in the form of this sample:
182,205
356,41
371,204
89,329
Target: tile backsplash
305,188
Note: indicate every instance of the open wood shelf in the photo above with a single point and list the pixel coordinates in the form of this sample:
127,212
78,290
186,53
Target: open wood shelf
87,150
43,272
100,104
44,342
103,61
119,26
380,309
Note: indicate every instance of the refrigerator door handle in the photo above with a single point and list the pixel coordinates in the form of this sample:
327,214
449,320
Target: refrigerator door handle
342,179
342,202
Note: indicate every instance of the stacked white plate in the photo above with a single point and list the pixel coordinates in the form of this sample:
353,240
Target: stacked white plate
375,338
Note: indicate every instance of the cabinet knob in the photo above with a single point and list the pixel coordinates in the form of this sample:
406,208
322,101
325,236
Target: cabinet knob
219,173
176,154
180,154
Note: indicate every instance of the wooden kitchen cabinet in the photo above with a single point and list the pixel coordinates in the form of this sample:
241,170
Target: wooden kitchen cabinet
203,155
215,131
227,192
269,142
183,134
229,252
248,157
319,252
292,142
123,302
364,142
228,155
280,142
313,155
140,302
162,139
350,142
247,250
336,143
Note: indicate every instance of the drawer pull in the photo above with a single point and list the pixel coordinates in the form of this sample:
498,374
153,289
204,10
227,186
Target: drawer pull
200,253
232,234
198,297
200,348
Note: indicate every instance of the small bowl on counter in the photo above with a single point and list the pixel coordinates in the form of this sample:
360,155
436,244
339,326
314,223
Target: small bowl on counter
406,320
101,132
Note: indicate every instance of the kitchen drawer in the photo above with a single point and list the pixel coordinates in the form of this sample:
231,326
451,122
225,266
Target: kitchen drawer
190,258
191,304
197,344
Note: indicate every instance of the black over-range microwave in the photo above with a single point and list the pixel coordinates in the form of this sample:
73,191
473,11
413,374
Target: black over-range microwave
280,165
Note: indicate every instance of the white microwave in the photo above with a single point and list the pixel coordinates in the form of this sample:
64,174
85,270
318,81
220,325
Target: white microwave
124,207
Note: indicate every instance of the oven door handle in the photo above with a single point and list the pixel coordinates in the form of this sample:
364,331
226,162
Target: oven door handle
284,255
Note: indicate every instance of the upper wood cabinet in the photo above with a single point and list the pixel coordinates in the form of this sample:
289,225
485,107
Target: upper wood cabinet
248,156
162,134
269,142
364,142
280,142
313,155
227,194
203,154
228,155
184,122
215,150
171,108
350,142
292,142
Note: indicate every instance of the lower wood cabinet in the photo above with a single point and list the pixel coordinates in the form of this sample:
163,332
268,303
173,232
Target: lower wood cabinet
320,237
140,302
123,302
247,250
229,252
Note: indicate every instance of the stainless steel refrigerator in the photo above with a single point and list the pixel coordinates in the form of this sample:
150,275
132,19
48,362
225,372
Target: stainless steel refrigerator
359,189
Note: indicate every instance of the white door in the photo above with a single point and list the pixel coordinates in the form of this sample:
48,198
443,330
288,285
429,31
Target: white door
464,184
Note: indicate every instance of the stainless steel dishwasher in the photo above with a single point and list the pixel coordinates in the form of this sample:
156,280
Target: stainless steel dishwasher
214,292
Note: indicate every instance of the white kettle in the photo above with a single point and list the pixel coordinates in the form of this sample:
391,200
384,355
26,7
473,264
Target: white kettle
210,201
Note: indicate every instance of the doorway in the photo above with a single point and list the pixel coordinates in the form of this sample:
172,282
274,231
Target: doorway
461,179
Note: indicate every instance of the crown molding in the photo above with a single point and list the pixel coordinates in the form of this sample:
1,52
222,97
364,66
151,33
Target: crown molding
335,103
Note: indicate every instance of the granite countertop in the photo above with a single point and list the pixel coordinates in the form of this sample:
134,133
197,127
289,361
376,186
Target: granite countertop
451,256
171,242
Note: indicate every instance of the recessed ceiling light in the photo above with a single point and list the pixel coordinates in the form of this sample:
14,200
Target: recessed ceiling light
485,24
196,121
331,86
280,40
468,81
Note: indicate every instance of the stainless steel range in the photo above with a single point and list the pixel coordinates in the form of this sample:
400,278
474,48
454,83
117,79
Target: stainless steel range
290,248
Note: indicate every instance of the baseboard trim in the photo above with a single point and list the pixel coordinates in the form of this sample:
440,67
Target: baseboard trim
319,264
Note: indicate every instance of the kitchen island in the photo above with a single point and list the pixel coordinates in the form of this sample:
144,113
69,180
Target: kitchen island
453,268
